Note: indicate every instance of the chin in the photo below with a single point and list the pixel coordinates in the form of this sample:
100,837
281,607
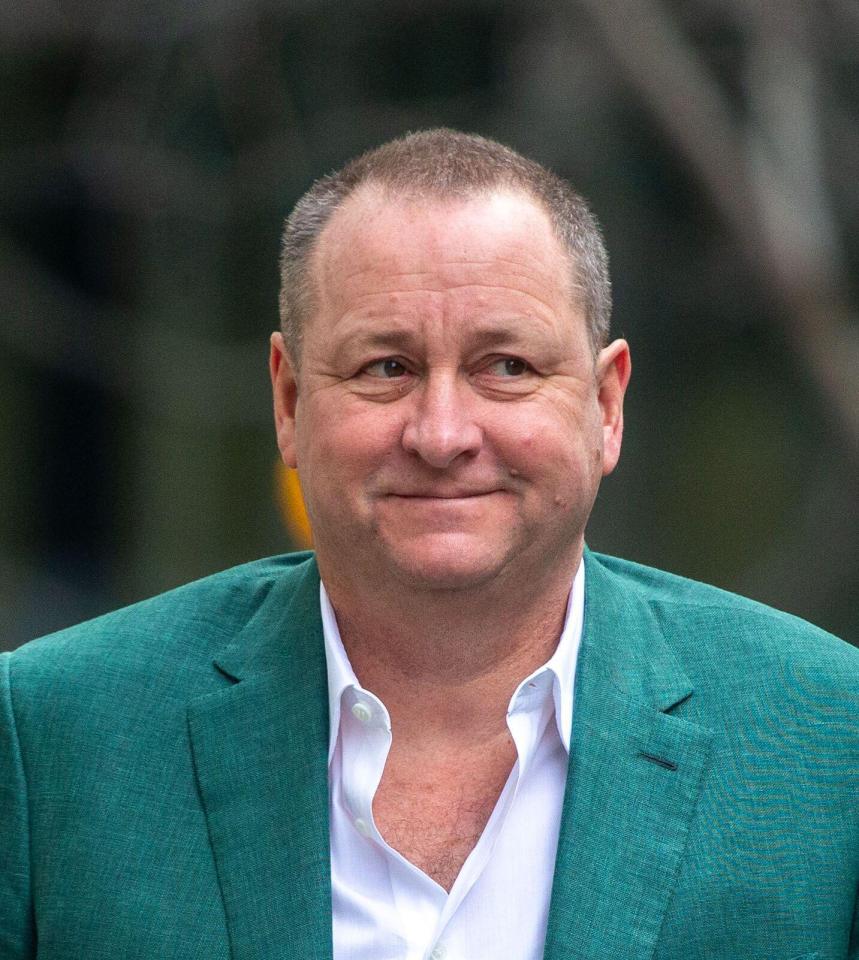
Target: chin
447,564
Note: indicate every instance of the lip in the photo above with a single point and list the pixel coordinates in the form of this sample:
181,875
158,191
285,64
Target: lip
445,495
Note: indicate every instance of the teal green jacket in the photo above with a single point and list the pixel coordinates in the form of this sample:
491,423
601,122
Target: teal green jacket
163,779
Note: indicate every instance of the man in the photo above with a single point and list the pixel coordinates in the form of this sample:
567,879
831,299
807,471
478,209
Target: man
471,738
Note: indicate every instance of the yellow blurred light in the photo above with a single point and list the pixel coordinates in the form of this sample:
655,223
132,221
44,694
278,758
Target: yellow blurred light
292,508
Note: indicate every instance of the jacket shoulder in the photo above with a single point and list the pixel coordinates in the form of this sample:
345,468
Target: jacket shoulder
182,627
705,622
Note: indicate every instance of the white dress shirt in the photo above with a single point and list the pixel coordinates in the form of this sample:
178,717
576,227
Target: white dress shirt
384,907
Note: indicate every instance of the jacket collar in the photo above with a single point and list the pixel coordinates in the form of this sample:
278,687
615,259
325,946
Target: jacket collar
259,748
635,774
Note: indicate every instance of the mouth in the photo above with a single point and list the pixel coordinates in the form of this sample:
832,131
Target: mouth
443,499
444,494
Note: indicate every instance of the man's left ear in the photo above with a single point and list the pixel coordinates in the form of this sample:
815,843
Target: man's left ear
614,366
284,387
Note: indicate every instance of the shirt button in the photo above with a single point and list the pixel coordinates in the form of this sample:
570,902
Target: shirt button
360,711
362,827
438,952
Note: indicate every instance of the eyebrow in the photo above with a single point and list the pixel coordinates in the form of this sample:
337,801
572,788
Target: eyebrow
506,332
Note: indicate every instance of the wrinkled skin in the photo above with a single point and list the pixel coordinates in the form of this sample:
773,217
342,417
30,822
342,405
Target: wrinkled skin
449,423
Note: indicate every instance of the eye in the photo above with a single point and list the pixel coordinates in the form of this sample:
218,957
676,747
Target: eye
385,369
508,367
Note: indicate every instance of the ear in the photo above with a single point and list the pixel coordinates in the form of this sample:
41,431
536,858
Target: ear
284,387
614,366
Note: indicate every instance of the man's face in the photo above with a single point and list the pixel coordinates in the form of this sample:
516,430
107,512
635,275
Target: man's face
449,424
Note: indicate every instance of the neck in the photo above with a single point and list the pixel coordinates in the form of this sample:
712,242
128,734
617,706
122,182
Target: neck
447,662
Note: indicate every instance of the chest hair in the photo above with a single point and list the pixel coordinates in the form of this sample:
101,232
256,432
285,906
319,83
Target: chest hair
433,813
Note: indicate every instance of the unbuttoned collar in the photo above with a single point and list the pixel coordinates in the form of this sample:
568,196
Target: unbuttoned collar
558,671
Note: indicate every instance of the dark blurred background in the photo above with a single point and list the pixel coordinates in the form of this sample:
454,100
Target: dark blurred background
151,149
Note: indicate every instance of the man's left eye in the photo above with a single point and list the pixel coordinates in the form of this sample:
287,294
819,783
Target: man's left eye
508,367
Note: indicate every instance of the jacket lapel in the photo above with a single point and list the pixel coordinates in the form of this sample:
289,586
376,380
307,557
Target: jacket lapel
260,753
635,775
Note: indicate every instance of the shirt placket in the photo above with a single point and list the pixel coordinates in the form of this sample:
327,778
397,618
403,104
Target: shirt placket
367,729
367,742
529,712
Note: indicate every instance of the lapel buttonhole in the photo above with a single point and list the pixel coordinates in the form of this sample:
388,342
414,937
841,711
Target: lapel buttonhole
659,761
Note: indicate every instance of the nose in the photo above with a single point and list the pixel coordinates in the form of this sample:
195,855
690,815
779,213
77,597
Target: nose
442,426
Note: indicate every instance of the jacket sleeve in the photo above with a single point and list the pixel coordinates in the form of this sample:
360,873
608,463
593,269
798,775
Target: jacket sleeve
17,929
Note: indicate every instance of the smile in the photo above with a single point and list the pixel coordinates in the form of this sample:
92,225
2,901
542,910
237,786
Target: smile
472,495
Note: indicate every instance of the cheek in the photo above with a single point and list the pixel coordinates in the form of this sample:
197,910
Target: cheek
535,445
337,444
562,460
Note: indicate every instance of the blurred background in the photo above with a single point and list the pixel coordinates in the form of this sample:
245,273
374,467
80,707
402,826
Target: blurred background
151,148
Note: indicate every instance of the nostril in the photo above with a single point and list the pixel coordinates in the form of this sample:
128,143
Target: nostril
440,444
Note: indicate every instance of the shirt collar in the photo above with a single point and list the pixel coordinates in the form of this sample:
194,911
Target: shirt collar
561,665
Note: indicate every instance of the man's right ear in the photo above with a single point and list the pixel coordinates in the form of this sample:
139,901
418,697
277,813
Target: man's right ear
284,387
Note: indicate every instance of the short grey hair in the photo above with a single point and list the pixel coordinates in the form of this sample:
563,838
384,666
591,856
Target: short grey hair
445,164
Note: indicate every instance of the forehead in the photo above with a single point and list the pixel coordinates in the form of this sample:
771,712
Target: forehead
428,243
